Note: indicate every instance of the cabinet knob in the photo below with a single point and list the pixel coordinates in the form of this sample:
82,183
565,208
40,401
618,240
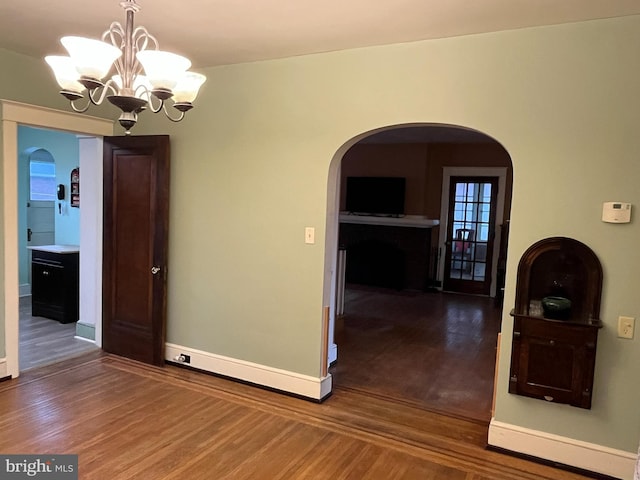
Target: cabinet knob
45,272
155,270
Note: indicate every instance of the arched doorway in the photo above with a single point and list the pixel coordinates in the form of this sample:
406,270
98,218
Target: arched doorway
396,332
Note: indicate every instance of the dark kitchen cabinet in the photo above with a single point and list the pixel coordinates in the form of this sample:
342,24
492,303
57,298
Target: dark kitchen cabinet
553,357
55,283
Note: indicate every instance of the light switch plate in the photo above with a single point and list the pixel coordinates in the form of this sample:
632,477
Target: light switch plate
309,235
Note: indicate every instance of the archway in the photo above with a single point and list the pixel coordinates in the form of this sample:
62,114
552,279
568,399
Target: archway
424,155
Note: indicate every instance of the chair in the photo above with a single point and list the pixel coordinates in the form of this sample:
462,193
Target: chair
463,246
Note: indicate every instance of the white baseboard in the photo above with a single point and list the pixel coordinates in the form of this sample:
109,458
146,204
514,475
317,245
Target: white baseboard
24,290
3,367
84,339
588,456
333,353
314,388
86,331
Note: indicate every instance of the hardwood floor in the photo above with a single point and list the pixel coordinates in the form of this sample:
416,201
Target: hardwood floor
44,341
127,420
434,350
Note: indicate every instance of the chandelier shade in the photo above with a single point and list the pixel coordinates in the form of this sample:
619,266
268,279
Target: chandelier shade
163,69
127,68
66,73
92,58
186,90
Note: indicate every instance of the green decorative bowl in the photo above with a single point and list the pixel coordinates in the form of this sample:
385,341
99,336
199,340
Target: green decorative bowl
556,308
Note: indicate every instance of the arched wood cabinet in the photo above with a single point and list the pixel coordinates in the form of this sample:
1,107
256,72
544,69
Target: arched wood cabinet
553,356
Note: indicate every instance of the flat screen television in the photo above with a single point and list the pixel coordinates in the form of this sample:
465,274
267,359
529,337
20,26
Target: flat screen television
375,195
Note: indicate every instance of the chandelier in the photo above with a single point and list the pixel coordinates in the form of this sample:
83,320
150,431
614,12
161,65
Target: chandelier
145,78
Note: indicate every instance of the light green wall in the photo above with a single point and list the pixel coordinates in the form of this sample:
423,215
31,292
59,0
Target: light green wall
28,80
2,249
63,147
250,170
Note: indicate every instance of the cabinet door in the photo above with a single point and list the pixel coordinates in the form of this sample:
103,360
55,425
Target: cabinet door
553,361
47,285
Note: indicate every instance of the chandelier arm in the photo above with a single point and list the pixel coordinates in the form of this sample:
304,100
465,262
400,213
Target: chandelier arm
103,93
111,85
115,35
141,33
151,97
177,119
119,66
140,39
143,93
82,109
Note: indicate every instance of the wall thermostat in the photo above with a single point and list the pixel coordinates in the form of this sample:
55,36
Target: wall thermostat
616,212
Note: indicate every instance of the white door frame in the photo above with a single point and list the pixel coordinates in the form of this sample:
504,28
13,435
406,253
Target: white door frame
447,173
13,114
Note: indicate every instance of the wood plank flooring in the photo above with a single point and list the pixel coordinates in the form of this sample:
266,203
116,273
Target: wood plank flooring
127,420
435,350
44,341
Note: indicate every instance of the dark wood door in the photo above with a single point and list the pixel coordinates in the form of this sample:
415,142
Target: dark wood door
470,234
136,207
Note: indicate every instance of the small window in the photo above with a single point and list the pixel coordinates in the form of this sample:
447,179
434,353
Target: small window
42,181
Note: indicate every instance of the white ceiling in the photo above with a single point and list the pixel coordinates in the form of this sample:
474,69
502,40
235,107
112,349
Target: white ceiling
217,32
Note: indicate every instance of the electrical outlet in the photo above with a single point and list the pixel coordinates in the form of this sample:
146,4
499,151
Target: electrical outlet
625,327
183,358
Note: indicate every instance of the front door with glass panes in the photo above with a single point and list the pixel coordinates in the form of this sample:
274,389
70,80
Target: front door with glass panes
470,234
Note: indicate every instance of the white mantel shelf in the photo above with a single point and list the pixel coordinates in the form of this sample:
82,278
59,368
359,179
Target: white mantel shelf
415,221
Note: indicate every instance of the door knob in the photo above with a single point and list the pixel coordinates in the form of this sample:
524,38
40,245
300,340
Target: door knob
155,270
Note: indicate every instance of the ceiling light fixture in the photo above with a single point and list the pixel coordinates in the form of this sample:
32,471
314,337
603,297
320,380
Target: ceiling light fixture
145,76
